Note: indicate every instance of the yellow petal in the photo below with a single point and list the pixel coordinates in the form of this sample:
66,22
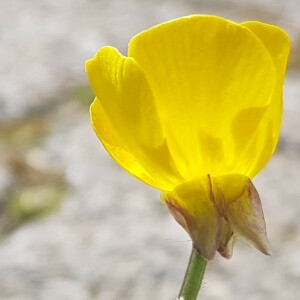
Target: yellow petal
115,146
205,72
127,102
277,43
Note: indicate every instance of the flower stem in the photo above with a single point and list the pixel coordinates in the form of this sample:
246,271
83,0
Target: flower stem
193,277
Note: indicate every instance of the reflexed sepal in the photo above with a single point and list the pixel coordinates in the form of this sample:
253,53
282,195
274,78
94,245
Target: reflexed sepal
216,210
191,206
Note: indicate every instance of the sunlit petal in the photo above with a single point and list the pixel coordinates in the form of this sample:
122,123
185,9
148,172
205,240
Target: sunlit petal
124,96
206,73
116,147
277,43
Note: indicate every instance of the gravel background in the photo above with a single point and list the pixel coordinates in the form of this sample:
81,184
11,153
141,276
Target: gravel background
76,226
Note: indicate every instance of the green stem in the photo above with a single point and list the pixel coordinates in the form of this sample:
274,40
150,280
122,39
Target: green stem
193,277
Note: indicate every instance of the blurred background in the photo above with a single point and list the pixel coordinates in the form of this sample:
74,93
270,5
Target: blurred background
73,225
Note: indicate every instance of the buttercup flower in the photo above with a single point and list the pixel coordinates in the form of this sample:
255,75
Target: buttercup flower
194,110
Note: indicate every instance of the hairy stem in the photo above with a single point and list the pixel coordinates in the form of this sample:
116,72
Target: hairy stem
193,277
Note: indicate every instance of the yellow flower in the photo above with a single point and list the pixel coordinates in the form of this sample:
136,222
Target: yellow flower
194,110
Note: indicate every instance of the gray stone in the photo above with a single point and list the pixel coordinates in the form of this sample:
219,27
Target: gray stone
112,238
